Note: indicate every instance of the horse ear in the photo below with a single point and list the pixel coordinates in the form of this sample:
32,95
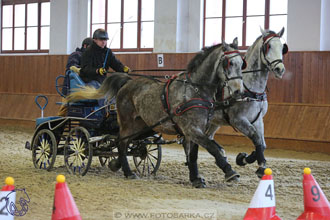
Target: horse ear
263,32
280,34
235,43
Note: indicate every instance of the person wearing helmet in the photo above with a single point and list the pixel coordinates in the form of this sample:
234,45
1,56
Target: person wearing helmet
97,60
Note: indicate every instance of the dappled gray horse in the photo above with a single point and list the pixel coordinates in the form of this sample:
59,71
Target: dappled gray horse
182,105
246,115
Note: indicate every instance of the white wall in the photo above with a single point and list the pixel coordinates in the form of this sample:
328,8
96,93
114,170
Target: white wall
188,26
165,26
58,27
69,25
304,24
325,25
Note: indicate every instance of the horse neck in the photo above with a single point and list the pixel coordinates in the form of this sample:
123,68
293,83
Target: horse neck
255,81
206,74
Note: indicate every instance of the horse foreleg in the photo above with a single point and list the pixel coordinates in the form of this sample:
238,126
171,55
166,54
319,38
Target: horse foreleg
191,150
218,153
255,133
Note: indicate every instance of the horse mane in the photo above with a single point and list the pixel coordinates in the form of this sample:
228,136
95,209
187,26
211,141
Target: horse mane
200,57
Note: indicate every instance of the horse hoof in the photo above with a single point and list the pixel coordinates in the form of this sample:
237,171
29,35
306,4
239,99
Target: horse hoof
240,159
132,176
199,183
114,165
260,172
232,176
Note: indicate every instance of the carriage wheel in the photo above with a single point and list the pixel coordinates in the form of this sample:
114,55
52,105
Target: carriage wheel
78,153
148,161
44,149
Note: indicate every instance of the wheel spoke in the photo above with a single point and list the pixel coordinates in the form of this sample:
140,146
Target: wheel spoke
152,164
156,158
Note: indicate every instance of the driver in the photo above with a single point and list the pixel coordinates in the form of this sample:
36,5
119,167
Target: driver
97,59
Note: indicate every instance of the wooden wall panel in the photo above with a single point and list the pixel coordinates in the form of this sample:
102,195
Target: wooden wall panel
299,107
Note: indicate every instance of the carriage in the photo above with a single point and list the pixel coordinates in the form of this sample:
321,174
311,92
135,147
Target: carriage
89,130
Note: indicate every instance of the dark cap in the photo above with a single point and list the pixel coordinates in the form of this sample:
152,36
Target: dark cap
100,34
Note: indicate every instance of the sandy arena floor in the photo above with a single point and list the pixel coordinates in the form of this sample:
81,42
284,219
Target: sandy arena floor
102,194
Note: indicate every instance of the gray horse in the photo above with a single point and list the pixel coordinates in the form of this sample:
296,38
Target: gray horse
246,114
182,105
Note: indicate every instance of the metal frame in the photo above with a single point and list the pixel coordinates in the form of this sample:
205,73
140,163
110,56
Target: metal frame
122,23
244,17
25,2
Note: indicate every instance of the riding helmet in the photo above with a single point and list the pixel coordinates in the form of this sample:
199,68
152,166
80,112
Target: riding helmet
100,34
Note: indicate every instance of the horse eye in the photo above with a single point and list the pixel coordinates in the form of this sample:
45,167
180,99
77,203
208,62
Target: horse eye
231,63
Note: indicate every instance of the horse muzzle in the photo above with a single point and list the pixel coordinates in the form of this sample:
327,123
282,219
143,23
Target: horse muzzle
279,70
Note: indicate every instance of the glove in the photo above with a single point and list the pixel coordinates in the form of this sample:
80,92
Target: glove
75,69
102,71
126,69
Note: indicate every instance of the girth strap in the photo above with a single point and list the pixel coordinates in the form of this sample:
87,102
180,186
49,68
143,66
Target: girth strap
192,103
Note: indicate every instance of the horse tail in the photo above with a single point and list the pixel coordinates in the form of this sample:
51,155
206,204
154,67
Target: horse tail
109,88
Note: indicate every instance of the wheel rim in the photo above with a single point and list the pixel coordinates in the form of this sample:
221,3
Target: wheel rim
77,152
44,150
149,161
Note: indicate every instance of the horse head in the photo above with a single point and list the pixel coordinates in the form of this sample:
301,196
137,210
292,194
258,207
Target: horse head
232,65
272,50
219,65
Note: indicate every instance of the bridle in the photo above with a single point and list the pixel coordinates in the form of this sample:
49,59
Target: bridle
265,47
225,60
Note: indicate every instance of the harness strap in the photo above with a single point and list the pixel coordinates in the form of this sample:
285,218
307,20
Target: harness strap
192,103
259,96
258,115
166,104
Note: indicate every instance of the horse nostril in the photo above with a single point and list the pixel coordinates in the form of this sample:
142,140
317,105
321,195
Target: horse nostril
277,69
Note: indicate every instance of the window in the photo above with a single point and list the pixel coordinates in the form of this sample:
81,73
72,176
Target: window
227,19
25,26
129,23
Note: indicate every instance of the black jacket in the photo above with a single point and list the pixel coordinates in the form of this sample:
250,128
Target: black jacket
93,59
75,58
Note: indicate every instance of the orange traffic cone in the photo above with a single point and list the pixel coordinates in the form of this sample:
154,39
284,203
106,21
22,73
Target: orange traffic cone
316,203
262,205
7,192
64,207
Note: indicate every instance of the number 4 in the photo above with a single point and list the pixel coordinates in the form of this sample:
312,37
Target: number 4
269,192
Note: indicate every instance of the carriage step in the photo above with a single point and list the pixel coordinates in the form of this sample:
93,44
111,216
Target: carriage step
100,138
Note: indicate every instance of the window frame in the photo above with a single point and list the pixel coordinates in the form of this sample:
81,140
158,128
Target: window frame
25,2
122,22
244,17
